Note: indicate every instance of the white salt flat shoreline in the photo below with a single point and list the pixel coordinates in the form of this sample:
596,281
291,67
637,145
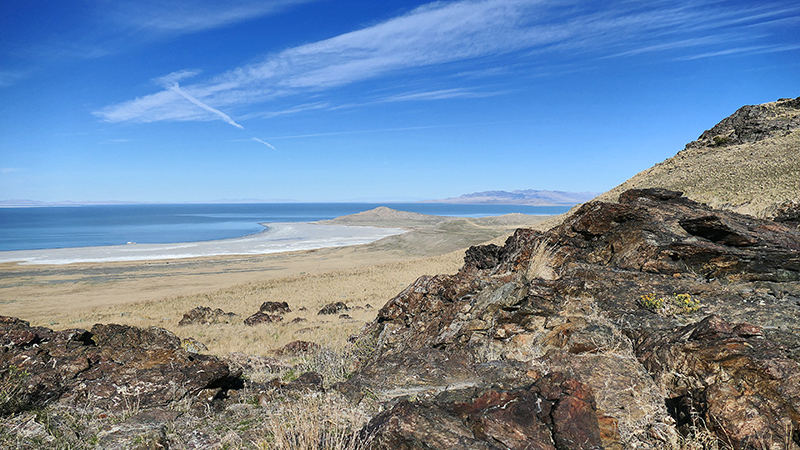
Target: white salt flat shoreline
277,238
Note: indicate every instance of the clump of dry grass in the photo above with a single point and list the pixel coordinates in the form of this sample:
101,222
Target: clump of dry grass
539,265
315,422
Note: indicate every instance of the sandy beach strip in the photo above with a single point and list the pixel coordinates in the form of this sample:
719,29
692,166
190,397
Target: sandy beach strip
276,238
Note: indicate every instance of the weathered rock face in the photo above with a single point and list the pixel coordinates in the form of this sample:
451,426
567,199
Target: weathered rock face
600,318
740,384
112,366
556,412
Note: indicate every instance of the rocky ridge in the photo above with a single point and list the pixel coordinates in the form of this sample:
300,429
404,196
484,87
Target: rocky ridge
653,376
748,163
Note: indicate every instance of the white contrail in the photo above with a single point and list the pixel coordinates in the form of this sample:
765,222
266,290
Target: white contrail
265,143
177,89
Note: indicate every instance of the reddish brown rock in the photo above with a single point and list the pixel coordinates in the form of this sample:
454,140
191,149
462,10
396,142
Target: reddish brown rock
554,413
728,377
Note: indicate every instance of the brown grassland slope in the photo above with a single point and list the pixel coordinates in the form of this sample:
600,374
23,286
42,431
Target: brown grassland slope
748,163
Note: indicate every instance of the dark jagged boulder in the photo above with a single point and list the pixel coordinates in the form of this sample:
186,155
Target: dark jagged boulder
203,315
260,318
275,308
112,366
627,279
333,308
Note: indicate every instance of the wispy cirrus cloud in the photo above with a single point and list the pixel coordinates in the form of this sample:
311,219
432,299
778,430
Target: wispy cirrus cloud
441,34
9,77
264,142
177,89
440,94
292,110
180,16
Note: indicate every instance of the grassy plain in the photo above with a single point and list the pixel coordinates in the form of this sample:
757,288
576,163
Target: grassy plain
158,293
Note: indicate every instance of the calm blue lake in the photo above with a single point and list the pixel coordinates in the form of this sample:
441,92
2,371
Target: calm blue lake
83,226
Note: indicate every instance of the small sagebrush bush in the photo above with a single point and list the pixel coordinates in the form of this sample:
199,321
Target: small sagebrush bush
671,305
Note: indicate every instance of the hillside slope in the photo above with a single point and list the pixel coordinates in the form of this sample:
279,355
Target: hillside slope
748,163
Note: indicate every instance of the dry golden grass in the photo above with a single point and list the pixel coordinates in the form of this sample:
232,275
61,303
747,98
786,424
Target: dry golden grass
306,295
315,422
539,266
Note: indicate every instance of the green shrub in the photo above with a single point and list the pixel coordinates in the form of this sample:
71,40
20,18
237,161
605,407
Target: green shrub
670,306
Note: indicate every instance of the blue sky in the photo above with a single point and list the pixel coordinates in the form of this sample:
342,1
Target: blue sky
323,100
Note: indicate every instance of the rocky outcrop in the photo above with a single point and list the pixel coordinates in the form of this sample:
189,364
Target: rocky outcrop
298,348
723,352
114,367
753,123
740,385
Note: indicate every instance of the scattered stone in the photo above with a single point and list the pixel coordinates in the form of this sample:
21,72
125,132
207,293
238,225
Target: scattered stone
333,308
204,315
275,307
299,319
345,317
259,318
306,381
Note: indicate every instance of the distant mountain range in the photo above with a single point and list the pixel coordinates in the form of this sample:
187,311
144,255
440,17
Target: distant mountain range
530,197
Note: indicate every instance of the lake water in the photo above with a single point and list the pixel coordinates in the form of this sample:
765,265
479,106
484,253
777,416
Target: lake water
99,225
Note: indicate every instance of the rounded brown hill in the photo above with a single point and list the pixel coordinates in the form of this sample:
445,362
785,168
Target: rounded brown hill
748,163
387,217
